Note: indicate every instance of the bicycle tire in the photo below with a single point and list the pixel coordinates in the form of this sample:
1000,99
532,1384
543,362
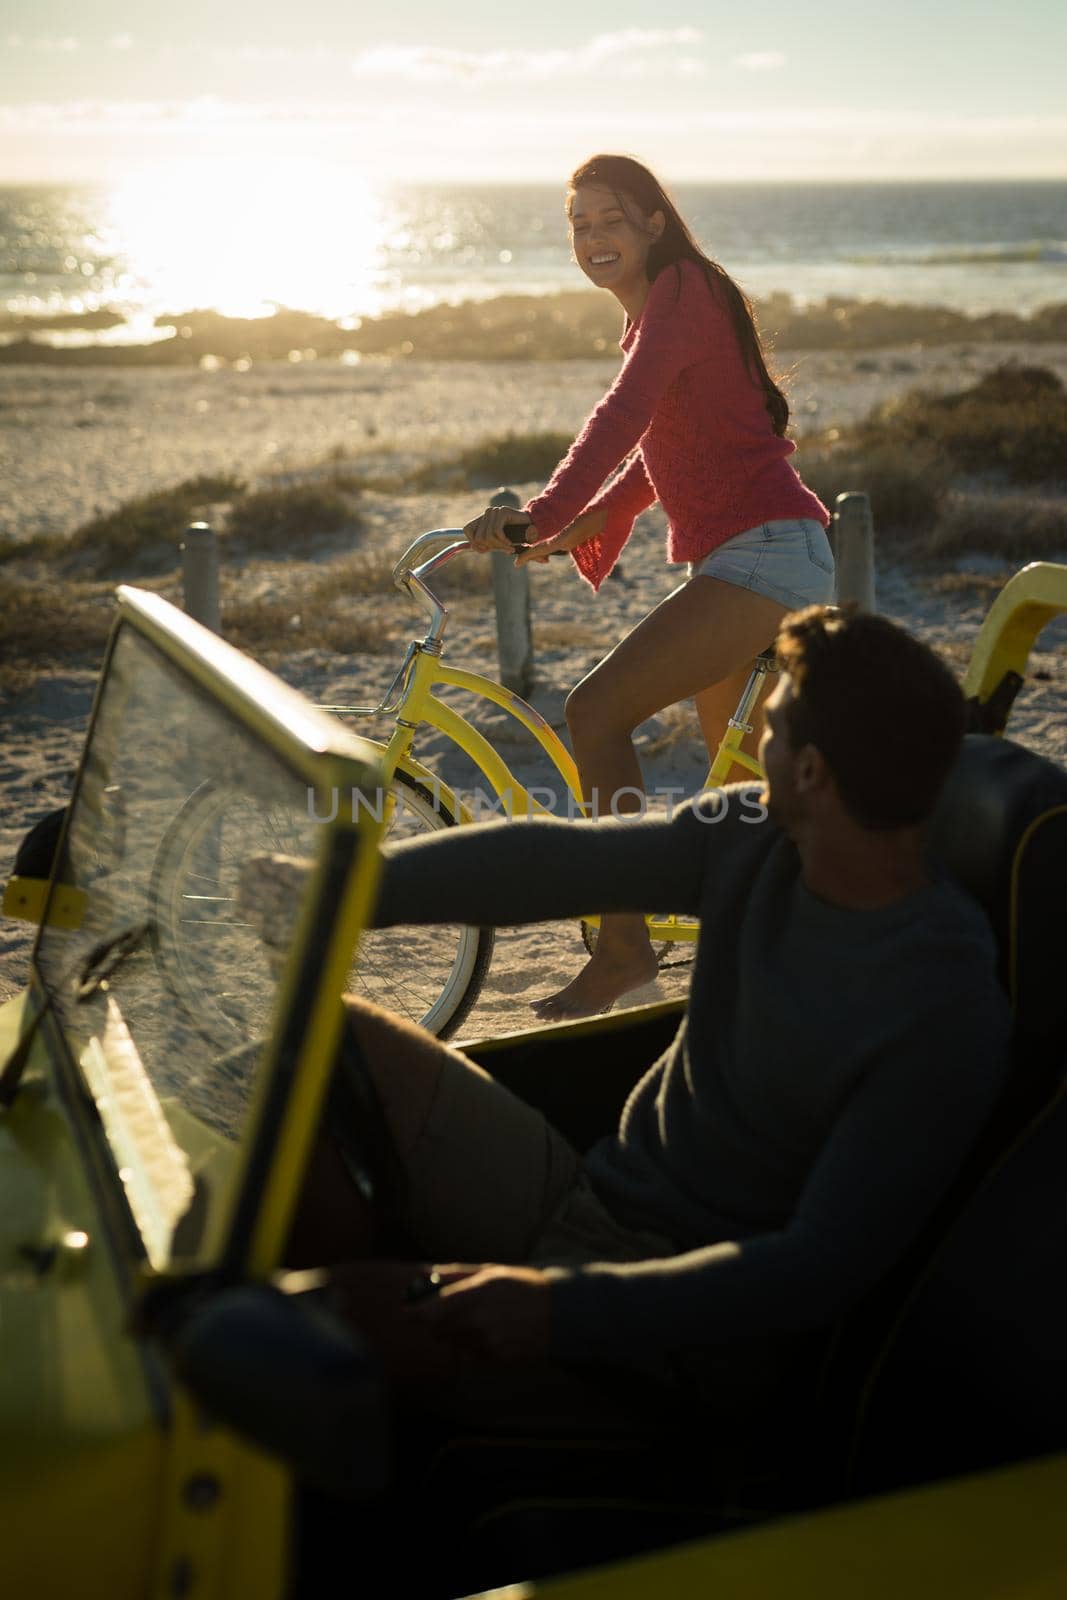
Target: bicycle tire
460,988
216,966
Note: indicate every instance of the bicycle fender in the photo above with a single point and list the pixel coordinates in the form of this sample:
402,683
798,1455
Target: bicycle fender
436,785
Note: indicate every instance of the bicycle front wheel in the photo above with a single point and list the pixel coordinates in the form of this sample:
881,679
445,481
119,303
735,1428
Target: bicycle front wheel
213,960
432,975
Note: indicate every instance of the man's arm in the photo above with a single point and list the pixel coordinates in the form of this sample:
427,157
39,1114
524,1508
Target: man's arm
895,1149
535,871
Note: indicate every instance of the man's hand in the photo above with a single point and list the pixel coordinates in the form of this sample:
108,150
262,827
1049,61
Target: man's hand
493,1314
270,891
373,1297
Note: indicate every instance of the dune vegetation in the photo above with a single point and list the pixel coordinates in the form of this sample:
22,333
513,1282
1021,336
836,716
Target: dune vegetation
555,327
983,469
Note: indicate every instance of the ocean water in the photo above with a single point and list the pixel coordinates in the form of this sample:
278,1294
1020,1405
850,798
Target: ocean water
347,250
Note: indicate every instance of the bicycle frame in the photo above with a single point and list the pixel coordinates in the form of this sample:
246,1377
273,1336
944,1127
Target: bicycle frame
411,699
730,753
419,705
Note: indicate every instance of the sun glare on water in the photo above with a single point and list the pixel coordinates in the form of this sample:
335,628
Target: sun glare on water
242,238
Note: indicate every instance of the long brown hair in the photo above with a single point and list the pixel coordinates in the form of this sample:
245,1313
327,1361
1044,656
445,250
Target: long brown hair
622,175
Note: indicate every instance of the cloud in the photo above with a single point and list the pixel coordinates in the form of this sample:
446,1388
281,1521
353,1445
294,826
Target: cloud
760,61
609,44
467,137
865,122
46,44
257,54
90,116
633,52
62,44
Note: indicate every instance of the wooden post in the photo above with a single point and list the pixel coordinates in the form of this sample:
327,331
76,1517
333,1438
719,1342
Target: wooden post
511,592
852,536
200,575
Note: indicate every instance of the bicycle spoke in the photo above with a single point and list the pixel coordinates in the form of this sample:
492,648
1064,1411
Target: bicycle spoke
429,976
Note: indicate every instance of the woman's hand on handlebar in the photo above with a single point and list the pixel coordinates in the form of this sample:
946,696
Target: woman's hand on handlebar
557,545
581,529
486,532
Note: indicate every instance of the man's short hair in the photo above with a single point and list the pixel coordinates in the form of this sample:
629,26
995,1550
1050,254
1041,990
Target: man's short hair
882,707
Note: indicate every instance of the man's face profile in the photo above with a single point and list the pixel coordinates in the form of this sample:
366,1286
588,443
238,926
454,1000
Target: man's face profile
778,758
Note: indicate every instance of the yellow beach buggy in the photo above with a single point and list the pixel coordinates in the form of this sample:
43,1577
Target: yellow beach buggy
182,1419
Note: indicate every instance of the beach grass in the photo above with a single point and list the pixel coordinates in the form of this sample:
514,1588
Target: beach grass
271,519
504,459
44,624
907,487
1012,421
590,634
138,537
361,572
144,530
673,727
302,619
142,536
1017,527
982,470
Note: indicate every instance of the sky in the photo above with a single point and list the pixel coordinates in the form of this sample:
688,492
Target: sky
472,90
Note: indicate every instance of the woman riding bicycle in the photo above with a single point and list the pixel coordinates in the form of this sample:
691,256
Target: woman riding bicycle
703,424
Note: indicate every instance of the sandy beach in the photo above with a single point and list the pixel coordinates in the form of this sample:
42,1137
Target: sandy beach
76,442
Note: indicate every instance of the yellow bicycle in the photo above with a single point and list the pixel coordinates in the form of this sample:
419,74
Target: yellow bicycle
432,975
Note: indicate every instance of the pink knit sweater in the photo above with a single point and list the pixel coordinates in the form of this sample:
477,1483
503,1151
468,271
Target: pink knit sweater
705,446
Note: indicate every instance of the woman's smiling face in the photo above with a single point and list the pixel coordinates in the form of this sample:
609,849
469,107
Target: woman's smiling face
610,237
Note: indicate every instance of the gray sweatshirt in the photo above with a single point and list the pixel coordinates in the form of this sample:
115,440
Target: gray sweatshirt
832,1071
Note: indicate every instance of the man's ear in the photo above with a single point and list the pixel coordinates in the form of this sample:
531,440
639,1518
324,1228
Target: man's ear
810,772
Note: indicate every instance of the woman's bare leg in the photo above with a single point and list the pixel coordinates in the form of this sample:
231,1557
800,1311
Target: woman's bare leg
696,637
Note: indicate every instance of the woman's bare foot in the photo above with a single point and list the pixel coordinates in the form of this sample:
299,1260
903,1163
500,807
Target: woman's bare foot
611,971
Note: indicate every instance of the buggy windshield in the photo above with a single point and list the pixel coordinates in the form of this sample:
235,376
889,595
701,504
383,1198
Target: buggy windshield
166,986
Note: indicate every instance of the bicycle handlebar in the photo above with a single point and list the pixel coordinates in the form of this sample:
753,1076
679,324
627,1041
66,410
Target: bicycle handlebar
412,578
425,541
454,541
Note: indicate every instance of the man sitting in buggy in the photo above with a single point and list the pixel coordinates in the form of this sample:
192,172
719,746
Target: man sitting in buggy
844,1043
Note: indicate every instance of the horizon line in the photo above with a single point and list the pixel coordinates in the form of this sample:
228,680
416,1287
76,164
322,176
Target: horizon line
877,181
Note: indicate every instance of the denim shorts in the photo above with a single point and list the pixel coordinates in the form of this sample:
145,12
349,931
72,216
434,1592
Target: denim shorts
788,561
